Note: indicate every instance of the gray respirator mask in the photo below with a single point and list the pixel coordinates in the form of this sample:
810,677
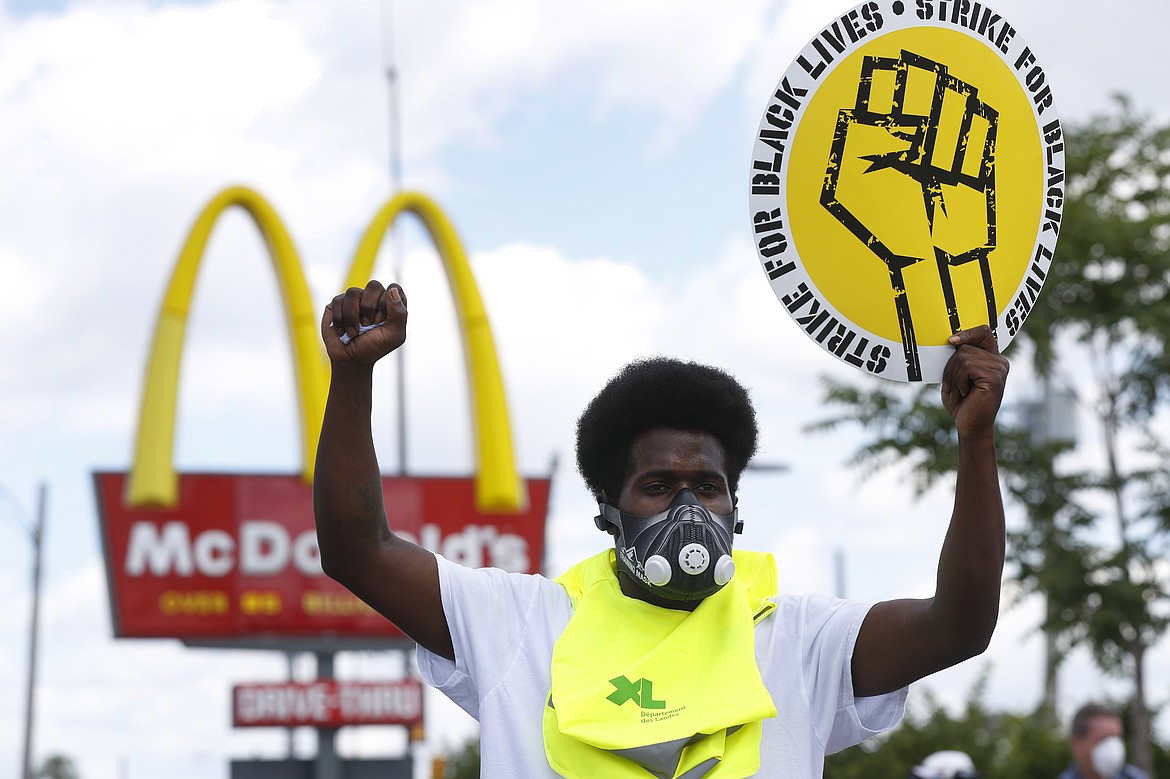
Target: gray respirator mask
682,554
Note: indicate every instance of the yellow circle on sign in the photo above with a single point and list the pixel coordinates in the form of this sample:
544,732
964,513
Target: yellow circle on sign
916,179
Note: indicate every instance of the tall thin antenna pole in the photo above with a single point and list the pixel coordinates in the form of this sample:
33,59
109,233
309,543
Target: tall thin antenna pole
398,235
395,112
38,534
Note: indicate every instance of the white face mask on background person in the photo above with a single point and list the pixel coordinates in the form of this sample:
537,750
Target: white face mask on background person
1108,757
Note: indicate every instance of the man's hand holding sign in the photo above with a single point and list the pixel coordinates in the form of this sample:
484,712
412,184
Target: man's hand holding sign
902,641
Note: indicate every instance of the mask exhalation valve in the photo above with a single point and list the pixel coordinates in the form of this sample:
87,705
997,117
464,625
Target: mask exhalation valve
724,570
693,559
657,570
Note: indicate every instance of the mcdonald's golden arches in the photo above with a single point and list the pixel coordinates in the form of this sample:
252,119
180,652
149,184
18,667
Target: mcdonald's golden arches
153,480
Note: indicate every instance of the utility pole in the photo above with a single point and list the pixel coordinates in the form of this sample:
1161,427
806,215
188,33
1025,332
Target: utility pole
397,234
1050,419
38,534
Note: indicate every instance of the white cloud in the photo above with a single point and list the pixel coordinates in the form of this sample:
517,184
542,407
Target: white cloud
1078,45
667,58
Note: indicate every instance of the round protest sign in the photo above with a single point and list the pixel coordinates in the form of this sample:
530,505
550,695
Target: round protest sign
907,182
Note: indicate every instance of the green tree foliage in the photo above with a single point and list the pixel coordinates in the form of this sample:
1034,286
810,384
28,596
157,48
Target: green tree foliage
1001,745
57,767
1107,286
1093,542
913,432
463,762
1107,292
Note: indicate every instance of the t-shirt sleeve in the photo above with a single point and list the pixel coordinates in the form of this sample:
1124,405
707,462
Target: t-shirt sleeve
488,612
840,719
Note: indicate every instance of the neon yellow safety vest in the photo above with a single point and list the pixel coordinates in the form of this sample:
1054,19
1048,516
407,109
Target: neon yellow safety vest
641,691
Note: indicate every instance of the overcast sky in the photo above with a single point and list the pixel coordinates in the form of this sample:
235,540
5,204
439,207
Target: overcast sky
594,157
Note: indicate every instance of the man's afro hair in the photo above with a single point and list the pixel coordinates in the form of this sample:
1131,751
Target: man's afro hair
662,392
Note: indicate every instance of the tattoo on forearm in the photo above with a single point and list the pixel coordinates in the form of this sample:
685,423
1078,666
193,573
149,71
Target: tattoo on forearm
371,498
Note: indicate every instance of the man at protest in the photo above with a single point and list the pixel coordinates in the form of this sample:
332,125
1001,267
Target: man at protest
1097,742
671,654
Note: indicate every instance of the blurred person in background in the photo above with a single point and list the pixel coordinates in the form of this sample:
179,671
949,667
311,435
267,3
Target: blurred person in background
1096,740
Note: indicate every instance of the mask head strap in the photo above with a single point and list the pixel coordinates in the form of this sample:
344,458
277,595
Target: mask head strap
609,520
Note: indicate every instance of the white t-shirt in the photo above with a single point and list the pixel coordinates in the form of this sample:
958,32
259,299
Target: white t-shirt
504,625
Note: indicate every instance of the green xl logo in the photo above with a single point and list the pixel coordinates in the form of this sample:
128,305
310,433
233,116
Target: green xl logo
640,692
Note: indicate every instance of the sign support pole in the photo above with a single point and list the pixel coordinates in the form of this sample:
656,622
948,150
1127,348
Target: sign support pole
327,765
